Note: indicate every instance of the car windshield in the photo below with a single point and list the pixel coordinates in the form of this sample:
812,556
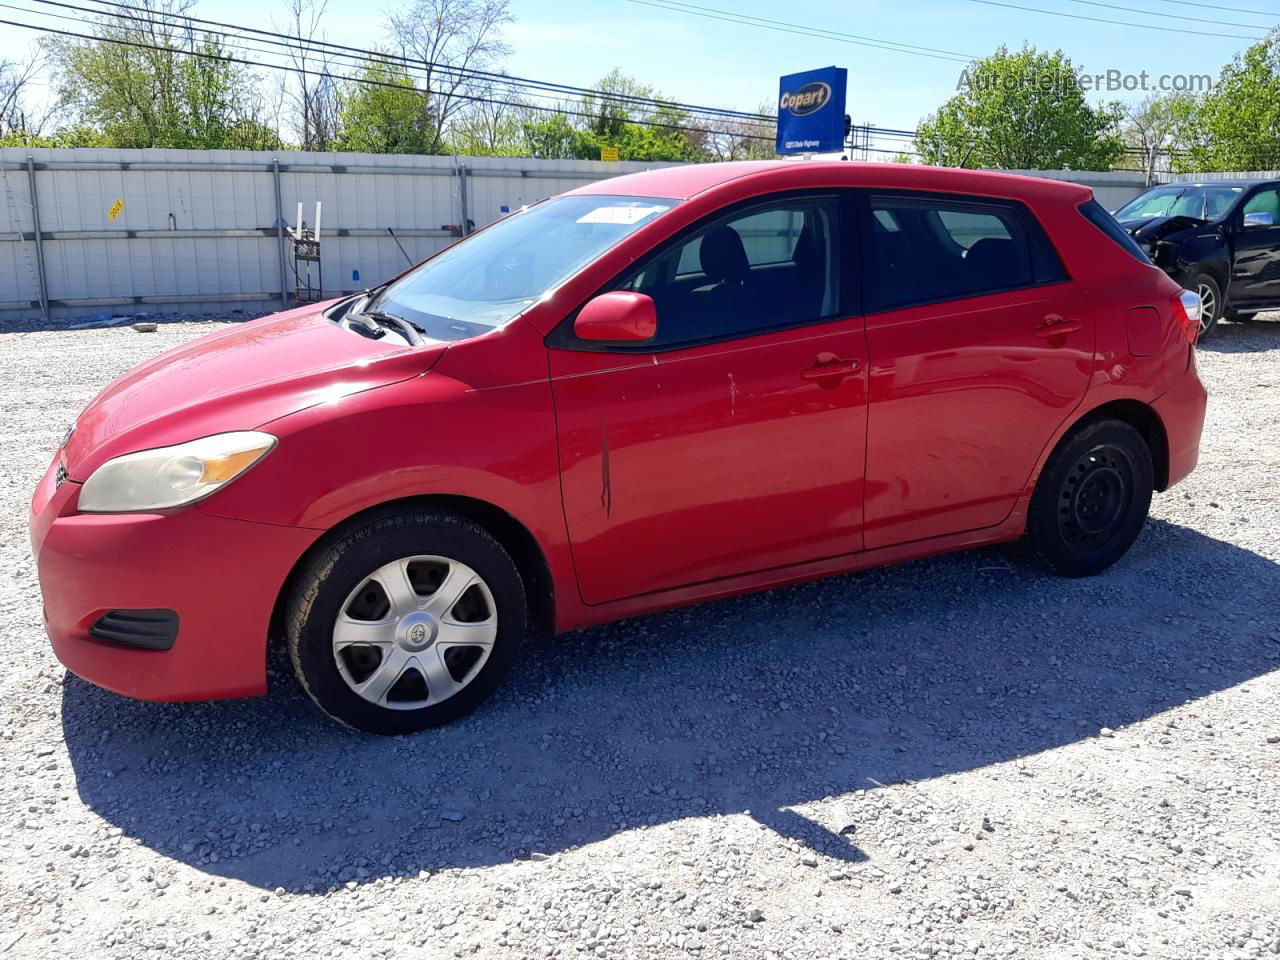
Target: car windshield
1181,200
491,277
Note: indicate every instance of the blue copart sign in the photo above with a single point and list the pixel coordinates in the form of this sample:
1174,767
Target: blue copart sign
811,111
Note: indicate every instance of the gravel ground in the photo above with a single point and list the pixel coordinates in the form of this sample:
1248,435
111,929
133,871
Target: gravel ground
955,757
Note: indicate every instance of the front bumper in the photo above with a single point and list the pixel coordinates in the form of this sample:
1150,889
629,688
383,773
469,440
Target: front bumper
1181,409
221,576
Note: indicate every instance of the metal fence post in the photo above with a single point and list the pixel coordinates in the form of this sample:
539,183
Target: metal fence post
35,223
284,275
462,193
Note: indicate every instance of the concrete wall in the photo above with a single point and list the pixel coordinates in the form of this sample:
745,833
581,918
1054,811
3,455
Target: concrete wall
1206,177
1112,189
197,231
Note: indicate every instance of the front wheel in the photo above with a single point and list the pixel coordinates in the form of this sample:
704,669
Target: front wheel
409,620
1092,498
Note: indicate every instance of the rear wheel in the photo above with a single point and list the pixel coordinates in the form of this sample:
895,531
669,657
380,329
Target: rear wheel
408,621
1210,302
1092,498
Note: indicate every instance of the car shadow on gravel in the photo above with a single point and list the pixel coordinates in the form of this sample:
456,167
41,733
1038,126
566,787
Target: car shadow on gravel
1251,336
762,704
106,319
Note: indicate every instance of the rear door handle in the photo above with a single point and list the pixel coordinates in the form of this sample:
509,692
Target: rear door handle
829,366
1056,326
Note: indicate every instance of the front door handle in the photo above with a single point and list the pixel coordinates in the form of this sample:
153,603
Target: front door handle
828,366
1056,326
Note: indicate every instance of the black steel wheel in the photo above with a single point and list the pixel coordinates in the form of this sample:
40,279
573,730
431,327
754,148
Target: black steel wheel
1092,498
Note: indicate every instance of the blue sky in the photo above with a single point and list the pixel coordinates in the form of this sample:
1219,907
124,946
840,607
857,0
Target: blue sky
707,61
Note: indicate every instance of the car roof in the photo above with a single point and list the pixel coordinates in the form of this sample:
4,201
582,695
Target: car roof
685,182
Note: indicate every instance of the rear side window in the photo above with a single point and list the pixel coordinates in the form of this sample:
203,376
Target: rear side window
926,250
966,229
1098,216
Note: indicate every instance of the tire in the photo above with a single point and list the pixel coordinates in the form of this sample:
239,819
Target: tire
1092,498
1236,317
443,657
1211,296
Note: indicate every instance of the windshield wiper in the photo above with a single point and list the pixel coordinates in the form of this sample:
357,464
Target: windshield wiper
411,331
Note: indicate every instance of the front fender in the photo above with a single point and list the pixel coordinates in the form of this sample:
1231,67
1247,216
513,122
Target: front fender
432,434
1203,254
435,434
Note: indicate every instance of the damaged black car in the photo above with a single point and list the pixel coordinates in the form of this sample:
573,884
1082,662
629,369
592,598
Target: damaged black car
1220,238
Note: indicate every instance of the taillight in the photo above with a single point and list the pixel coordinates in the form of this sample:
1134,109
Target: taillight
1187,310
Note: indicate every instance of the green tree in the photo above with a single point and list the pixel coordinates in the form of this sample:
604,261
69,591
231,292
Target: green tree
618,116
607,117
654,143
382,113
609,105
1236,125
149,81
1024,110
553,137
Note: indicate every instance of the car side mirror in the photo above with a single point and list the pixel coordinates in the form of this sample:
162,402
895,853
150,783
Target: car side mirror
1260,219
617,317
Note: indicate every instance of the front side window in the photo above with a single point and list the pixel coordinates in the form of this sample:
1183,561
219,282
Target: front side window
924,250
757,269
496,274
1265,201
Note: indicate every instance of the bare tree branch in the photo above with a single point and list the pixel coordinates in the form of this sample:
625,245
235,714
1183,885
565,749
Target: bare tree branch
310,95
737,139
16,80
449,38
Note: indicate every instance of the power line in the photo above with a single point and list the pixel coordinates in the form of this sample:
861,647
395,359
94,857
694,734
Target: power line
302,45
291,43
368,82
1214,6
779,26
1156,13
878,132
362,80
226,37
1119,23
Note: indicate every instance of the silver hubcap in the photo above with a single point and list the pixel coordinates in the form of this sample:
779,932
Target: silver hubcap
1208,306
415,632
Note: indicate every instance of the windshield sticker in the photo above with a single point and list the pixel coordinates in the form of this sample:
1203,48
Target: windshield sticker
619,215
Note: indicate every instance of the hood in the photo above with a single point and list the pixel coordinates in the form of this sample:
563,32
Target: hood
237,379
1159,228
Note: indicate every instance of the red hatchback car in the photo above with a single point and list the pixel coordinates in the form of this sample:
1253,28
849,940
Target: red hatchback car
647,392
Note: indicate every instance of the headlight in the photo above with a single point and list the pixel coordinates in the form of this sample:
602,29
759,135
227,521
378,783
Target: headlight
172,476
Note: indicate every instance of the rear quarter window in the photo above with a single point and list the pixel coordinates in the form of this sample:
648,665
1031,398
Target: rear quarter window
929,248
1098,216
